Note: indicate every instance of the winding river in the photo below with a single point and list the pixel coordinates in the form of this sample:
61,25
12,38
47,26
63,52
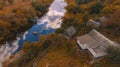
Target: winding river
45,25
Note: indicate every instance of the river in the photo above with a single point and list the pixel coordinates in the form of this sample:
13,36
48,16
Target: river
45,25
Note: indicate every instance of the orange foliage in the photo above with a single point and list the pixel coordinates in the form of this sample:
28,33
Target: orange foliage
114,19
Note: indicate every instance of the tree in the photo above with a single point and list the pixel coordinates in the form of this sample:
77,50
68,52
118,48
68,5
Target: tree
113,54
83,1
46,43
11,1
1,4
95,9
113,23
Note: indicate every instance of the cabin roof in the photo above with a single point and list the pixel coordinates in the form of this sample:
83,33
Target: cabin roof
70,31
95,42
93,23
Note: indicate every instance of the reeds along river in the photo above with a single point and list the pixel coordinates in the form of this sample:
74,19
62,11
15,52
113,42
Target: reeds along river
45,25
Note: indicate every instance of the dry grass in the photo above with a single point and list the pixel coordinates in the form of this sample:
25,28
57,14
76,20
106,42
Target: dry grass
65,55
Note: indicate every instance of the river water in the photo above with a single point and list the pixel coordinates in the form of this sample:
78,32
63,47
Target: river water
45,25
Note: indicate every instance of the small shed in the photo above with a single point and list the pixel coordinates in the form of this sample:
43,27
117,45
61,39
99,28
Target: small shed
102,19
95,43
70,31
93,23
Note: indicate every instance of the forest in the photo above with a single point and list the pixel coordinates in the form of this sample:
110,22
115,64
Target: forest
19,15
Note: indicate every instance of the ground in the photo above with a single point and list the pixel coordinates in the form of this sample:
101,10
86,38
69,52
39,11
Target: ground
65,55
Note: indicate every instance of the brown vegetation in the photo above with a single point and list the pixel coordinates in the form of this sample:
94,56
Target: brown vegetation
18,17
63,52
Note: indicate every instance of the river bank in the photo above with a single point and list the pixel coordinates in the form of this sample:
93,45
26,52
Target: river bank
14,44
47,24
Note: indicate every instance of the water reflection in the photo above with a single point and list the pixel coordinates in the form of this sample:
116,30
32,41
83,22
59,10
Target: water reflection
45,25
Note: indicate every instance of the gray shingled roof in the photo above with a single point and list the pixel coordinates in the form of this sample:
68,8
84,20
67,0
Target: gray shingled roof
102,19
70,31
95,42
93,23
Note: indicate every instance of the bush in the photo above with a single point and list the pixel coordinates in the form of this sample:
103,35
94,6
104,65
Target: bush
11,1
113,54
46,43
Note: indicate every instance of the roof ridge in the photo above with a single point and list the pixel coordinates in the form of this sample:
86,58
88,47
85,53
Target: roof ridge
98,36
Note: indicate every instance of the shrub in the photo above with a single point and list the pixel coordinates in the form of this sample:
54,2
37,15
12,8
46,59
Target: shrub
46,43
113,54
11,1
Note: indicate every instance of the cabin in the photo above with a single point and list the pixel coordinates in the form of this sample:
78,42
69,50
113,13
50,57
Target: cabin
97,23
93,23
70,32
95,43
102,19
